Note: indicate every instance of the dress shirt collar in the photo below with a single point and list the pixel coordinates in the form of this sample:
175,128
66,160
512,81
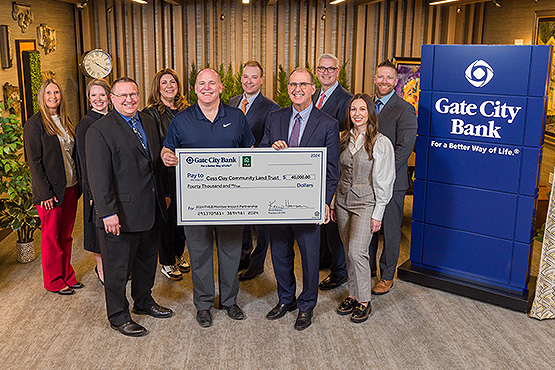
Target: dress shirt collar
328,92
385,99
355,143
249,100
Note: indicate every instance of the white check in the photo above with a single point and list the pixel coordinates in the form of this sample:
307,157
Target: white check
251,186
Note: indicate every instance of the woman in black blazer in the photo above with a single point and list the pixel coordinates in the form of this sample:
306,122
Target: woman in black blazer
49,141
164,102
98,93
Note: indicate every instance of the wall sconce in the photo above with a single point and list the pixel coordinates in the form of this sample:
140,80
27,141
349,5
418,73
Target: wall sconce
497,3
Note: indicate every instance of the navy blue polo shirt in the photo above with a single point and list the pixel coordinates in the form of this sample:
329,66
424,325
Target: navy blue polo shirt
191,129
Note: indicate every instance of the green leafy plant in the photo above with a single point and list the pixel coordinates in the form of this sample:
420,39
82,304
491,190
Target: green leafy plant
192,98
18,211
36,77
282,95
342,78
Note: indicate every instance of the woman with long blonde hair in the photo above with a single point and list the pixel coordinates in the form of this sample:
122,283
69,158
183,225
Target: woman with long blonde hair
49,140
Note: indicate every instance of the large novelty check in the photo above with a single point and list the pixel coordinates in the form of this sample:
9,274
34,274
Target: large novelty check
250,186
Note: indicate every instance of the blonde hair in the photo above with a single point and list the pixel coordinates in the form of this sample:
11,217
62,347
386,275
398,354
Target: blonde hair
47,120
102,83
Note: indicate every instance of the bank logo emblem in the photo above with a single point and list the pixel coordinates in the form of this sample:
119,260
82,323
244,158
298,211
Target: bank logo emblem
479,73
190,160
246,161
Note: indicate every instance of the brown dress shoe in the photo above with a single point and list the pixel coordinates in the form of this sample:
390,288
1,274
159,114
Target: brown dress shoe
382,287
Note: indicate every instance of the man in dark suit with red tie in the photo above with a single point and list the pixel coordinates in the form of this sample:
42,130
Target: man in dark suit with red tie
256,108
128,194
332,99
300,125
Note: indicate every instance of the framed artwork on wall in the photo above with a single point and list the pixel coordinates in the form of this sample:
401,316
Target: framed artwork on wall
408,72
544,34
21,47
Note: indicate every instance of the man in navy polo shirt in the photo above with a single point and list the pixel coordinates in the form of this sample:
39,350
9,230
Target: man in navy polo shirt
211,124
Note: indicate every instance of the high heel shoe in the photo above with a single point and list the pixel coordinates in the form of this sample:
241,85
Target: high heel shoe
98,276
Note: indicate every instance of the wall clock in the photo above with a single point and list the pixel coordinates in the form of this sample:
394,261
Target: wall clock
96,63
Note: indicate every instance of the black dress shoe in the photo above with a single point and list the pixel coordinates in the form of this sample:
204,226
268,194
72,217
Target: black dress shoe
332,281
361,312
304,319
280,310
154,310
65,291
204,318
131,329
244,264
235,312
77,285
347,306
249,273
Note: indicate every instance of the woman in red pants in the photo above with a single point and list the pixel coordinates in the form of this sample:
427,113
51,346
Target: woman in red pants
49,140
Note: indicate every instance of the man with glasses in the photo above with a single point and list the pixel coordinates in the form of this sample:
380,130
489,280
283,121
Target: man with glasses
211,124
128,195
300,126
332,99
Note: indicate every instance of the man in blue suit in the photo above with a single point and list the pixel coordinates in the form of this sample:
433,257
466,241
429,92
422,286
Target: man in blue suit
332,99
300,125
256,108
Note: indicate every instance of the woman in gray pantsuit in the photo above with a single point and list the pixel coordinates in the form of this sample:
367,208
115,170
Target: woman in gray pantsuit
367,174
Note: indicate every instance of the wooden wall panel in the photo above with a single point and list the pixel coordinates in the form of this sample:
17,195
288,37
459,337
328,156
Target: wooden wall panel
145,38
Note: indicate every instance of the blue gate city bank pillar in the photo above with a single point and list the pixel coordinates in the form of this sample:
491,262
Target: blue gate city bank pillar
480,137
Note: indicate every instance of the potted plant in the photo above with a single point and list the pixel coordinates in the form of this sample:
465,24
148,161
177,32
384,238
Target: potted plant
18,212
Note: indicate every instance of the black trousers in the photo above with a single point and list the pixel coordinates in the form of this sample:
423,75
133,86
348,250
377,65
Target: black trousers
135,252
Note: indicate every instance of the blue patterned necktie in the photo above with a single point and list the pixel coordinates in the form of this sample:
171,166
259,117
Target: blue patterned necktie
138,133
296,132
378,106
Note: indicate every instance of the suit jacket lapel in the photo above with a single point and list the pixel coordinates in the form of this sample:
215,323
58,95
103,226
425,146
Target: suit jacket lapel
256,104
285,118
390,103
151,137
128,134
310,126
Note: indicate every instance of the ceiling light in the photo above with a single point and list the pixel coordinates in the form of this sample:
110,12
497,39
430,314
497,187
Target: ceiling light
245,1
497,3
140,1
336,2
442,2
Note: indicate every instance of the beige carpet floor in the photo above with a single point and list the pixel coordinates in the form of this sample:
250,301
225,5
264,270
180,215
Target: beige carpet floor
412,327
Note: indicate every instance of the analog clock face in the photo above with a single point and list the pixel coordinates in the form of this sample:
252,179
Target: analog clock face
97,64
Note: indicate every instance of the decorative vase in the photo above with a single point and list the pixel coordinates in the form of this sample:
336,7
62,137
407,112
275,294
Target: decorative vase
25,252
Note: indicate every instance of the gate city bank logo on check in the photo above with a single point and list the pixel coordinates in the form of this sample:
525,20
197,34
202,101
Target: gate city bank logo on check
211,160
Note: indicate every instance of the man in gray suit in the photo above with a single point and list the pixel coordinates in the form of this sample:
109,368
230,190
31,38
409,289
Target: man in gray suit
397,121
332,99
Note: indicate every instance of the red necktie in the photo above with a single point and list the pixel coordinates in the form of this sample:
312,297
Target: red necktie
322,97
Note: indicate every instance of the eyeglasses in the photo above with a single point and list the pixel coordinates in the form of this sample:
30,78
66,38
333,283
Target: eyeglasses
133,96
302,85
326,69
